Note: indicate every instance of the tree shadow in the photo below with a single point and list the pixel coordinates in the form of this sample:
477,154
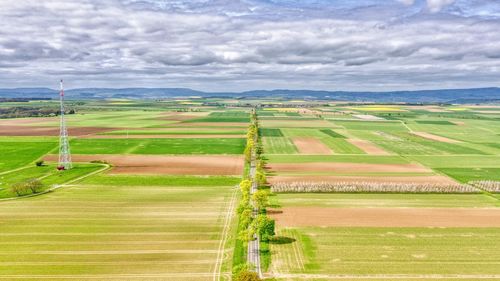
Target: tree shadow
281,240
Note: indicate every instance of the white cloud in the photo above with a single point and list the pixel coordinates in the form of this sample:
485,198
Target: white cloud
436,5
90,43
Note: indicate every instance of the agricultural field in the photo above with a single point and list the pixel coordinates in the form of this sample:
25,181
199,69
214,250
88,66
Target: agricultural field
151,196
384,193
357,192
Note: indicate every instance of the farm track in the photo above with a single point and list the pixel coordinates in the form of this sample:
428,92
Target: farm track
224,237
387,276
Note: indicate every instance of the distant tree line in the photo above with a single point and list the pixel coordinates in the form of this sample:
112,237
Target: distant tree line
28,111
22,99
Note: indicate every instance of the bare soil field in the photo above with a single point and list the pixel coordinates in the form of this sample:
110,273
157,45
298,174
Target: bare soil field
430,136
169,165
387,217
459,123
432,108
437,179
348,167
310,145
15,130
368,147
164,136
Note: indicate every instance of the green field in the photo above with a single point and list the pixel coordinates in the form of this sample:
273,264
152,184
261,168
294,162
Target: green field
20,152
420,253
103,226
109,230
340,200
158,146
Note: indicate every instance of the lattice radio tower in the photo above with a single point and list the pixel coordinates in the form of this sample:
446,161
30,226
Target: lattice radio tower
64,153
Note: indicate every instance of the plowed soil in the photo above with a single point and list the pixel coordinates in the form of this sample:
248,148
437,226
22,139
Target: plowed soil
168,165
387,217
348,168
375,179
368,147
430,136
309,145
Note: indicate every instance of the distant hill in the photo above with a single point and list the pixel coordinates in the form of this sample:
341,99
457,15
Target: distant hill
477,95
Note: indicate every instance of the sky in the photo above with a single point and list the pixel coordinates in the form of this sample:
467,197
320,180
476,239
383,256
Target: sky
238,45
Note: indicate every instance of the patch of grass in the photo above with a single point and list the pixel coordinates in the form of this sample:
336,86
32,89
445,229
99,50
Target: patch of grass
278,145
458,161
371,200
112,231
332,133
228,116
268,132
48,175
265,256
15,154
435,122
370,251
472,174
158,146
122,180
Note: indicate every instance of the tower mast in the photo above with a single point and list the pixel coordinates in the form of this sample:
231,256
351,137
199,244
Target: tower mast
64,153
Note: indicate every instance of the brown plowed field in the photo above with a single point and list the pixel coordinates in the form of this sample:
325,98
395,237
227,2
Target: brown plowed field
49,131
348,168
387,217
163,136
168,165
310,145
430,136
375,179
368,147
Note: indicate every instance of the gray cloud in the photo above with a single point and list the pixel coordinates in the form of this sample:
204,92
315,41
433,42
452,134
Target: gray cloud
206,45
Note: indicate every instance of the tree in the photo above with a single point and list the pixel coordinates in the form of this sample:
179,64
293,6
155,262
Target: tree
265,227
245,186
248,153
245,218
39,163
260,197
246,234
260,178
246,275
19,188
35,185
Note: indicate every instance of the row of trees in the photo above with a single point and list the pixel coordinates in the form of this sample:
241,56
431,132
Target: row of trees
28,111
353,187
30,186
251,223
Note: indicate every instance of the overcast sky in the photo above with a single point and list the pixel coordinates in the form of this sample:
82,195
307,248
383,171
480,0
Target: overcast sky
235,45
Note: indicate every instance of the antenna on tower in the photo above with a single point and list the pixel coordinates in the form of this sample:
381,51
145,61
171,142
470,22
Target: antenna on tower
64,153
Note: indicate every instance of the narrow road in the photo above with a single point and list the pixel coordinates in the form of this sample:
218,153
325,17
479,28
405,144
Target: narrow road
253,251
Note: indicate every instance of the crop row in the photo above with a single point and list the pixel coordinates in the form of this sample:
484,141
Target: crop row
491,186
358,187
